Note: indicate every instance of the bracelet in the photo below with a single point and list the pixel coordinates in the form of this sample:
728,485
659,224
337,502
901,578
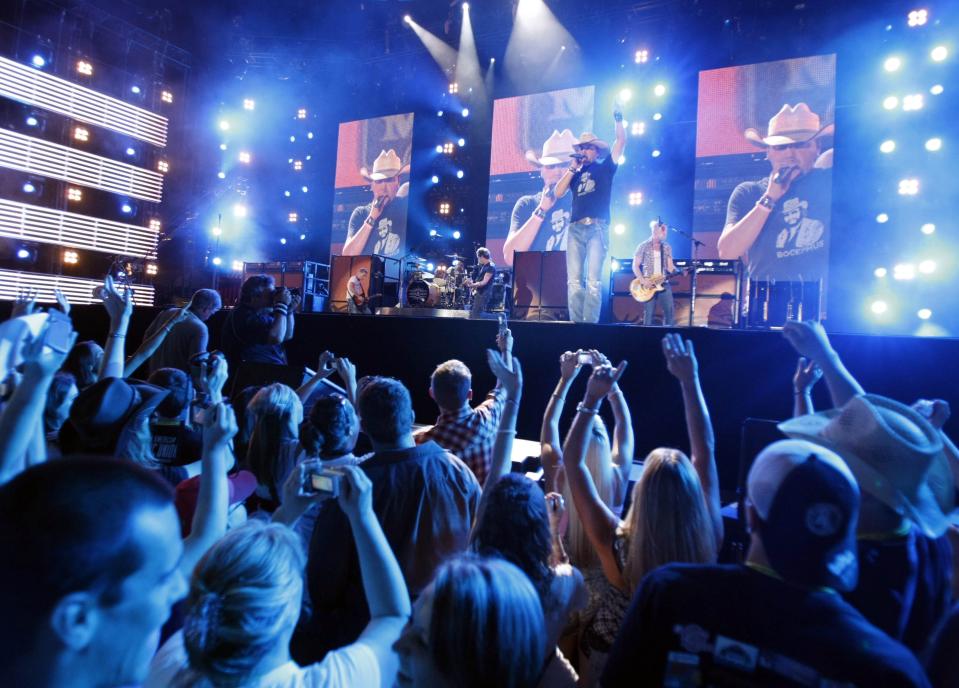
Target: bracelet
281,307
580,408
766,202
118,335
540,213
506,432
370,220
561,397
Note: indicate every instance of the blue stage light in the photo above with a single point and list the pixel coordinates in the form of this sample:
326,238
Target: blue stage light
131,150
28,187
435,179
135,90
32,121
283,241
459,174
434,233
461,142
23,253
456,234
221,175
126,208
38,61
466,112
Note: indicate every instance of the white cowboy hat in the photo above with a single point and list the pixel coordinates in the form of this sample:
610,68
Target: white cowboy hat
556,150
590,138
896,455
792,124
386,166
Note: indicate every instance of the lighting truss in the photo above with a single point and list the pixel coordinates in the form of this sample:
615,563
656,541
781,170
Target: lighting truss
48,226
40,157
79,291
37,88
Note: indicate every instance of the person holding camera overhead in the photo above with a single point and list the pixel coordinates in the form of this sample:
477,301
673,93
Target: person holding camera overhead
259,325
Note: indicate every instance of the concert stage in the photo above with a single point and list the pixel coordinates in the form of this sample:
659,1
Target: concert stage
744,373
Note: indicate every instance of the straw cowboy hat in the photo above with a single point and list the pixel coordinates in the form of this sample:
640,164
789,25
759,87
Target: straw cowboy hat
556,150
792,124
896,455
386,166
590,138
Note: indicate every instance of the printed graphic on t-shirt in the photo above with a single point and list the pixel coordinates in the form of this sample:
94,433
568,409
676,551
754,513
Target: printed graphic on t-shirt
388,242
587,185
559,223
801,234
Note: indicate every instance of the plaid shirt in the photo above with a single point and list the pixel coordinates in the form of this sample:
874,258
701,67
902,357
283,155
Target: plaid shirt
470,433
645,254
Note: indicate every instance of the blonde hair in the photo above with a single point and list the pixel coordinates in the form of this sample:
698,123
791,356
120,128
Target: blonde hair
599,462
668,520
244,598
277,413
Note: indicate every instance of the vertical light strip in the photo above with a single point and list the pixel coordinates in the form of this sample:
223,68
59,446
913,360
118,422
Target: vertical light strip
34,87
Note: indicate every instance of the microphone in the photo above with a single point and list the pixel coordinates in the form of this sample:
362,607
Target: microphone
783,174
577,156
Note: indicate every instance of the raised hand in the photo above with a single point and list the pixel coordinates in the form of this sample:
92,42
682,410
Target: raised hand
569,365
327,363
41,361
680,357
806,376
118,306
602,380
356,493
25,303
556,509
597,358
510,380
346,370
216,374
282,295
548,199
809,339
504,341
62,302
936,411
295,301
219,425
776,190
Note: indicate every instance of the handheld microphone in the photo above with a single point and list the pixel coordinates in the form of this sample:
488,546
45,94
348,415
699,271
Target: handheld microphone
783,174
577,156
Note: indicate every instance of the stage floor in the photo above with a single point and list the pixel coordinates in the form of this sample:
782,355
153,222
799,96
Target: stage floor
745,374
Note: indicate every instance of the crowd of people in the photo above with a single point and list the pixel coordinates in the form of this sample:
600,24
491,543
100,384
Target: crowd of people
167,533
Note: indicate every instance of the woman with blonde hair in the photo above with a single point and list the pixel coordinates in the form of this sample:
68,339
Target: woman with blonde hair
245,598
675,512
272,453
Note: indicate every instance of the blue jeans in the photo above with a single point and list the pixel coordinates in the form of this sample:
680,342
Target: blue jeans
664,298
589,245
480,300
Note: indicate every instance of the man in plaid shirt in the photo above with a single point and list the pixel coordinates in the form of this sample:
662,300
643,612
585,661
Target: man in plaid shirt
467,432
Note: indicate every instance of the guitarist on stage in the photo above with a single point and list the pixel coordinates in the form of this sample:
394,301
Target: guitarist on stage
652,262
356,298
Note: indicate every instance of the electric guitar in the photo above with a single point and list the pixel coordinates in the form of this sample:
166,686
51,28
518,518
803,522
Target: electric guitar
644,294
361,300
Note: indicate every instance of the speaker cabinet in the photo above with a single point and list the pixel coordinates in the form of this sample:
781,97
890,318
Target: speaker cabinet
539,285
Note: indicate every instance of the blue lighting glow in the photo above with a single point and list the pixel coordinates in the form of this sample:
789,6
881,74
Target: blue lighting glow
456,234
435,179
466,112
23,253
126,208
32,121
135,90
221,175
131,150
286,193
433,233
461,142
38,61
28,187
459,174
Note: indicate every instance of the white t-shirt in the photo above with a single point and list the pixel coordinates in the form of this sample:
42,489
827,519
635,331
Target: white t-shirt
353,665
657,262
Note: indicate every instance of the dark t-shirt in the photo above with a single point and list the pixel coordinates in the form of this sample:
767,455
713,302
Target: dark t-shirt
185,339
389,232
794,242
592,188
479,272
552,231
695,625
904,585
246,337
174,443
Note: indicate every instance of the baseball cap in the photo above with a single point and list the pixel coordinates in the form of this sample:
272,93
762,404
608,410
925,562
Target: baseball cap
808,502
241,485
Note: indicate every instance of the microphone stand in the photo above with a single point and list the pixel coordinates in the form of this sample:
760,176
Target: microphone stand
695,269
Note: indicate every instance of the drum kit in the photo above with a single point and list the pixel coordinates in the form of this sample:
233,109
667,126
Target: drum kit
444,288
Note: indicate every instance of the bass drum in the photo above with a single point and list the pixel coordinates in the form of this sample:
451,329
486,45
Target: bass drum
421,294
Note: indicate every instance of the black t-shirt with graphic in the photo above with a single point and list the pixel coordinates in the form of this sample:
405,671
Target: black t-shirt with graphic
552,231
794,242
708,625
592,189
479,272
389,231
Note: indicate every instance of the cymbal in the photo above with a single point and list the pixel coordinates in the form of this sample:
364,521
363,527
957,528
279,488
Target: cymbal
455,256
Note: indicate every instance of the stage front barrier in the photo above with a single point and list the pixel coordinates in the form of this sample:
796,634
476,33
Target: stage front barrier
539,285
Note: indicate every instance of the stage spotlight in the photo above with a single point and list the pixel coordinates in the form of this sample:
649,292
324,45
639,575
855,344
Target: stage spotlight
221,174
74,194
892,64
466,7
303,237
435,179
927,267
217,231
928,228
249,104
439,148
293,217
244,157
448,148
301,113
309,134
430,267
879,307
465,112
444,208
492,60
659,90
240,210
304,189
890,102
939,53
459,174
882,218
152,269
461,142
23,253
917,18
32,121
283,241
912,102
904,271
456,234
924,313
223,146
166,97
135,90
217,260
619,229
292,139
636,198
638,128
237,266
656,153
439,113
38,61
85,68
936,89
154,224
131,151
641,56
625,95
297,165
29,187
81,134
453,87
908,187
880,272
163,166
287,193
71,257
224,125
614,265
407,19
434,233
887,146
934,144
658,116
127,207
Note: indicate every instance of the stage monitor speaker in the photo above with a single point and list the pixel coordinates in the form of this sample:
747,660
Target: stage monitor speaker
341,270
539,285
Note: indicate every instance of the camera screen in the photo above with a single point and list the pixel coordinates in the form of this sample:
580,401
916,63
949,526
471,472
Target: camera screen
321,483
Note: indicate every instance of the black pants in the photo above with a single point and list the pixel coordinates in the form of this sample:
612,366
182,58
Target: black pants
479,304
665,299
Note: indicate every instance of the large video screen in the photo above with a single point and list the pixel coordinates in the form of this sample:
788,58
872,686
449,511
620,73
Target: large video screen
533,137
764,155
372,186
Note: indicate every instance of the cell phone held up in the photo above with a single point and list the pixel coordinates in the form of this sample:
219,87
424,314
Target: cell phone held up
316,480
58,332
584,358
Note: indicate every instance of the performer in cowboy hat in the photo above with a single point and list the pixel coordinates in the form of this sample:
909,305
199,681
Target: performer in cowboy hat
780,225
380,225
539,221
590,177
